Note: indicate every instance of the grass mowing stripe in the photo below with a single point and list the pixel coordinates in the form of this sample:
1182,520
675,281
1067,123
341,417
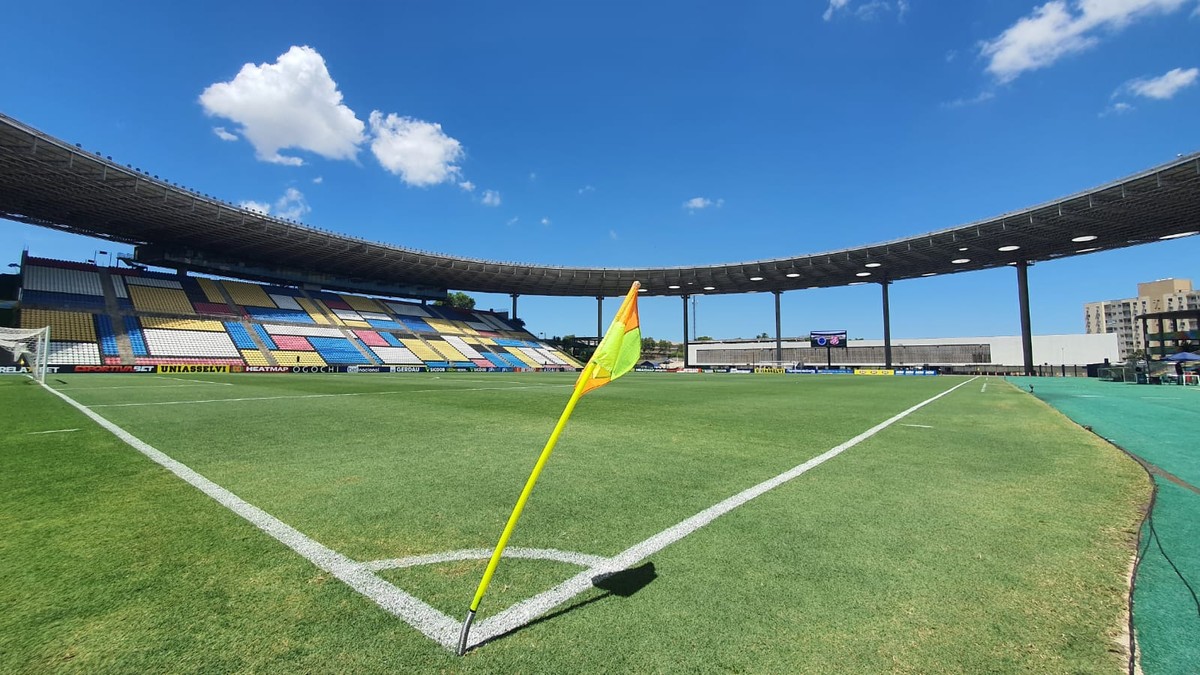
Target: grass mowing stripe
435,625
522,613
299,396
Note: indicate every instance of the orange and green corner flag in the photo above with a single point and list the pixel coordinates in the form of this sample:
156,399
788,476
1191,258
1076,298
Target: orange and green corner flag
617,354
620,349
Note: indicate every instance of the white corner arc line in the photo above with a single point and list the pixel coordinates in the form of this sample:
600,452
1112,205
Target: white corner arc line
434,624
569,557
524,612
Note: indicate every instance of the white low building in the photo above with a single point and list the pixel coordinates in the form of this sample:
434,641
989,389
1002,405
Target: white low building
1001,351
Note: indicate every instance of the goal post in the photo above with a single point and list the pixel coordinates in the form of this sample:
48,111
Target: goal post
29,347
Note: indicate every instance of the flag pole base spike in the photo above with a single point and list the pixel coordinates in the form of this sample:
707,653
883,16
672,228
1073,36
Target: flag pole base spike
466,631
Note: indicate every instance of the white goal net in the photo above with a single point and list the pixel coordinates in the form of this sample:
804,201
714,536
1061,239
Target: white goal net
28,347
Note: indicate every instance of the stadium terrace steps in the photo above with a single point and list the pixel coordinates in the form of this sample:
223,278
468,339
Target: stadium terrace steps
140,317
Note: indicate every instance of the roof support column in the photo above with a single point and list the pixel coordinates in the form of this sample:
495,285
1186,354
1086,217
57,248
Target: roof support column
600,316
685,331
778,332
887,326
514,299
1026,330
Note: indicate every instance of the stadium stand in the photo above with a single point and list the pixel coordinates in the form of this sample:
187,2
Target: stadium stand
138,317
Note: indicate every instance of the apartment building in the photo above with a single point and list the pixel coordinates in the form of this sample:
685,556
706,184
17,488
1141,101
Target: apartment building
1122,316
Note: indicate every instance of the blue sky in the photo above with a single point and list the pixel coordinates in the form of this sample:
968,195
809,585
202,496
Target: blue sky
640,134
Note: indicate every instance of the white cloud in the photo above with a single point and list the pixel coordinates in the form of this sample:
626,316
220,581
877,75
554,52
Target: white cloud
491,198
612,234
467,186
1162,87
545,221
870,10
834,5
698,203
251,205
1057,29
982,96
223,134
512,221
318,180
532,176
292,103
1118,108
586,189
417,151
291,205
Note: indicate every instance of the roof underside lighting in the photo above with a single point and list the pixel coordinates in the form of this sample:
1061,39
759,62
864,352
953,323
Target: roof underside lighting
929,274
674,287
710,288
962,248
756,278
960,261
1179,235
863,274
873,264
1006,249
1083,238
1088,250
857,283
792,275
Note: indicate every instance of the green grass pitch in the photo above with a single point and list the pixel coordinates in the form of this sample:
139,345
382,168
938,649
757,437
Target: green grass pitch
983,532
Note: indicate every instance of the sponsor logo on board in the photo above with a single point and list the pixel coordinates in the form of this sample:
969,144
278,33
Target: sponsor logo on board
187,368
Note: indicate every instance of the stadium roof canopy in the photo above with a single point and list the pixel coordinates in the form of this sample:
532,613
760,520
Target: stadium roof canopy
45,181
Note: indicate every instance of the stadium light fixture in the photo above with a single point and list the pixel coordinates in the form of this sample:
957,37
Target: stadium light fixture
674,287
1006,249
873,264
863,274
857,283
710,288
1088,250
962,248
1082,238
756,278
792,275
960,261
929,274
1179,235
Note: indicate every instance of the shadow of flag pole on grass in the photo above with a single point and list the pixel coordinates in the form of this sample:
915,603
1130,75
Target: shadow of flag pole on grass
617,354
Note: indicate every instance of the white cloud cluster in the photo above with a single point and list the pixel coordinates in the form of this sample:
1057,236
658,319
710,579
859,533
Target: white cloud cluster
1058,28
292,103
292,206
491,198
1164,86
699,203
295,104
866,11
417,151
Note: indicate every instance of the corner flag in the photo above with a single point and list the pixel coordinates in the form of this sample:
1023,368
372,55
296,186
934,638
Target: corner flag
617,354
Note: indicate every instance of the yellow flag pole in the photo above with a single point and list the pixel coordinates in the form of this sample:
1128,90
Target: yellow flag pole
516,513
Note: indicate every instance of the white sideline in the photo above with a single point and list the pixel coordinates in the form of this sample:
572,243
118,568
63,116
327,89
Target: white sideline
434,624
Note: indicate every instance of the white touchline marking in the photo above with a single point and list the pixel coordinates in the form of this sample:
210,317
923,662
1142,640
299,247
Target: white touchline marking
523,612
570,557
55,431
984,387
919,426
184,379
434,624
353,393
150,386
